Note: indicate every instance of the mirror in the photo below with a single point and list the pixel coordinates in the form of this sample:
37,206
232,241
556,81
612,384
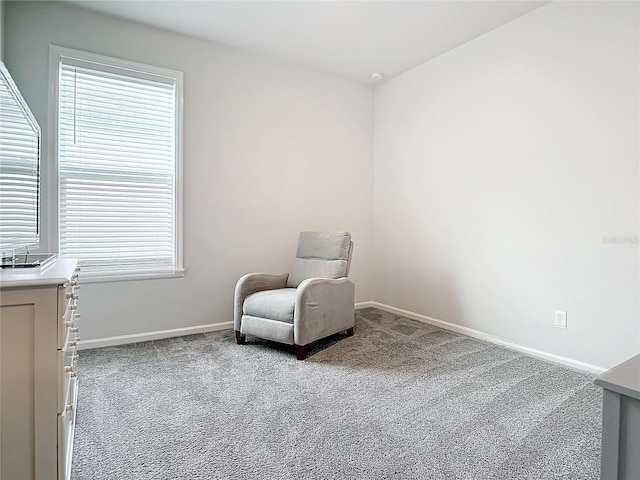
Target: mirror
19,170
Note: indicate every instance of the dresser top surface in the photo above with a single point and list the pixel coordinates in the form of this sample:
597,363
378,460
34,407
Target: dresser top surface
624,379
60,271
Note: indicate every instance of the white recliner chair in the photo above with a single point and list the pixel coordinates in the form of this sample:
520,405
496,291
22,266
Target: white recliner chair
313,301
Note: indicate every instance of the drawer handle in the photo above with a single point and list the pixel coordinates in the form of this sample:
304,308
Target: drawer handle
68,369
71,295
73,343
73,307
68,408
74,330
68,323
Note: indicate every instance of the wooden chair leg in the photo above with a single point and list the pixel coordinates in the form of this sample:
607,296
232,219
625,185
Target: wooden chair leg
301,352
240,338
350,331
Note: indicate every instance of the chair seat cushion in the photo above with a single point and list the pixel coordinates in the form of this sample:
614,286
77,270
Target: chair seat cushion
275,304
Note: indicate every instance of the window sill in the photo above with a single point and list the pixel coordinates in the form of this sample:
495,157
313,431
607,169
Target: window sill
97,277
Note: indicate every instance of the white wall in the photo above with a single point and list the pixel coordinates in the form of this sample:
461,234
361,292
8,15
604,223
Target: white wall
499,168
269,150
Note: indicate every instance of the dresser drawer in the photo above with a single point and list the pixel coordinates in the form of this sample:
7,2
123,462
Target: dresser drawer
67,293
63,301
67,306
67,368
66,425
68,321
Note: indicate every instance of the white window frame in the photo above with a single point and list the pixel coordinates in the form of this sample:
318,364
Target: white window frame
56,54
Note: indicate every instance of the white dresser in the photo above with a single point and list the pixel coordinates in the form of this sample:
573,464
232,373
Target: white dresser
38,383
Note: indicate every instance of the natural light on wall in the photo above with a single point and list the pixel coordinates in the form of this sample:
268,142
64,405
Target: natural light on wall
118,167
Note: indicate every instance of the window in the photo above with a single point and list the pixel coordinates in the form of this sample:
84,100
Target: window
119,166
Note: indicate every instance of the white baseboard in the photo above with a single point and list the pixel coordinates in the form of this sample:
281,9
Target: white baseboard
157,335
367,305
177,332
486,336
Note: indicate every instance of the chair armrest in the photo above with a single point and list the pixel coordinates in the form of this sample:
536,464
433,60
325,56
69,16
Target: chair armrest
324,306
252,283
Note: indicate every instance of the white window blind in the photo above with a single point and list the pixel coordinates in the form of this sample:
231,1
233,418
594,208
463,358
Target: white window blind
19,169
117,162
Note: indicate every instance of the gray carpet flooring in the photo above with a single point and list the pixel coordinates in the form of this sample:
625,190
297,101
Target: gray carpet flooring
400,399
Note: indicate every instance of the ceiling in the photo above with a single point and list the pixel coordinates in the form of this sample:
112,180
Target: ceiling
349,39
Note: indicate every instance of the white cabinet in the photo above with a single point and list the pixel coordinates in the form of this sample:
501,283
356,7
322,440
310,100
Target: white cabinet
38,358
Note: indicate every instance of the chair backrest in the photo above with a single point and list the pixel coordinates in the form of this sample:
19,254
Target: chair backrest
321,254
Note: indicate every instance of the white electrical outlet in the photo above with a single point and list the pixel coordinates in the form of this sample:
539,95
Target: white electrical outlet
561,319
